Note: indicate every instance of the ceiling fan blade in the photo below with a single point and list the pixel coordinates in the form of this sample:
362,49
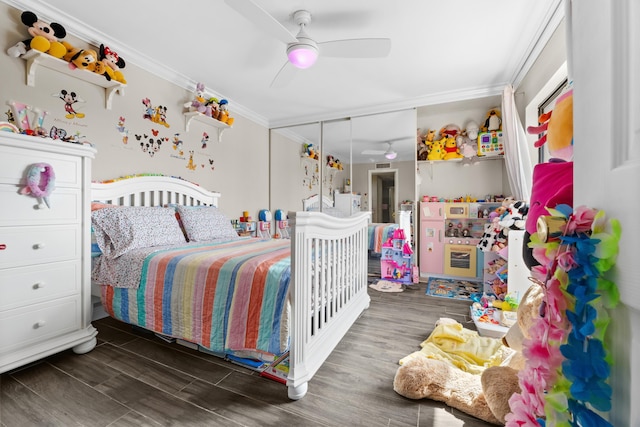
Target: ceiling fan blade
260,18
356,48
285,76
373,152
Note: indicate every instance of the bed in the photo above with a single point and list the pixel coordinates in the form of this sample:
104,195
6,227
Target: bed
299,295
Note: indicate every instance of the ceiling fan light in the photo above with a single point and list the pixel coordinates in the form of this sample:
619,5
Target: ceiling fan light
302,55
391,155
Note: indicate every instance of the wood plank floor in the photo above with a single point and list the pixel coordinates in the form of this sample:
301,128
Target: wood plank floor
134,379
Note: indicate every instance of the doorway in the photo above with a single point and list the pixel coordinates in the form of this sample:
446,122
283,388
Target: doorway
383,197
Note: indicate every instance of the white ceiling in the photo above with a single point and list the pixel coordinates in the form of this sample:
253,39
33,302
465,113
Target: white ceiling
441,51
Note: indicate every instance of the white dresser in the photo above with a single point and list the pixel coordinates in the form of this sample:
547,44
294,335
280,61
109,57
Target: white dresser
45,260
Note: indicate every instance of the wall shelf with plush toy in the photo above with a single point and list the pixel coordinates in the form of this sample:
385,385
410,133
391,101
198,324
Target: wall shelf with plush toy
35,59
199,117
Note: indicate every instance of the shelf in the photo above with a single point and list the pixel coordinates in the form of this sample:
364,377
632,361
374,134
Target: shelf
36,58
480,158
199,117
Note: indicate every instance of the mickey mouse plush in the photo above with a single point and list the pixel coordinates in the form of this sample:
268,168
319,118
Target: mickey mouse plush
44,37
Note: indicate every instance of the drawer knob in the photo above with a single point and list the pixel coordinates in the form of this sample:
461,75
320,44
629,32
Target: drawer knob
39,324
3,246
38,285
38,246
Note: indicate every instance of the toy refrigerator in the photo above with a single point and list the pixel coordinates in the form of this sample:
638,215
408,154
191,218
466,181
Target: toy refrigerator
431,238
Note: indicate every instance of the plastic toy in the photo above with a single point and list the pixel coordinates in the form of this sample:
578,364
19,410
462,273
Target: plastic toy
44,37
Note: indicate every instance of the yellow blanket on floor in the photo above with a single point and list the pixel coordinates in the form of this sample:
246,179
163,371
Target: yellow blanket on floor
463,348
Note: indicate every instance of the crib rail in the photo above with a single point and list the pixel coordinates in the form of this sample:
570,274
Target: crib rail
328,289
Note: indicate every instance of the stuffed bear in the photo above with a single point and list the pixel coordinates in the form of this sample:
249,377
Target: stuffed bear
44,37
451,150
484,395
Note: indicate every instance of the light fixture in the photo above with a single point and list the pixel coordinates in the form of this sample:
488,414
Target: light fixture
304,52
390,154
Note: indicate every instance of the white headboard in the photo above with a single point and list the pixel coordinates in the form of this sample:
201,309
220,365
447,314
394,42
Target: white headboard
313,202
152,191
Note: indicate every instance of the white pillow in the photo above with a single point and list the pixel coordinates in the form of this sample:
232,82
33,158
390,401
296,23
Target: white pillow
121,229
202,224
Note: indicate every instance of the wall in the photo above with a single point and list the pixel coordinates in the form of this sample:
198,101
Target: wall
230,166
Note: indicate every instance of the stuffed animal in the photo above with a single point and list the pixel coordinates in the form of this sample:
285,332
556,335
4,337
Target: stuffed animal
199,104
44,37
558,124
484,393
85,59
424,143
493,121
223,114
468,143
109,65
451,150
436,152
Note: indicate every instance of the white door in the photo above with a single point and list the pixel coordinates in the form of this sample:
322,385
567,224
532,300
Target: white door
606,74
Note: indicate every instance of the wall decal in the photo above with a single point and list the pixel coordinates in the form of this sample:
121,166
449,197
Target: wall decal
70,98
151,146
155,114
205,139
124,132
191,165
177,144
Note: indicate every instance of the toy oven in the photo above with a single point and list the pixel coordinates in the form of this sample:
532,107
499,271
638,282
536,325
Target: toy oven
460,260
456,210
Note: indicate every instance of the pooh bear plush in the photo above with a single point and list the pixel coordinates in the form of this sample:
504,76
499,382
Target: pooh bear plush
44,37
451,150
480,391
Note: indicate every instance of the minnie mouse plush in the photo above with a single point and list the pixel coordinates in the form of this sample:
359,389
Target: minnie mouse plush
109,65
44,37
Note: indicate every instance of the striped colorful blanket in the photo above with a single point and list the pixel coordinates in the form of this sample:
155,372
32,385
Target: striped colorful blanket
378,234
228,297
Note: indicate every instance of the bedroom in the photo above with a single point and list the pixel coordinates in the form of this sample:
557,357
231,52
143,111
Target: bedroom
241,157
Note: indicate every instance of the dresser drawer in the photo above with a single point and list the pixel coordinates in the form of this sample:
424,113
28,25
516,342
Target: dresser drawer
29,285
15,161
35,323
65,206
21,246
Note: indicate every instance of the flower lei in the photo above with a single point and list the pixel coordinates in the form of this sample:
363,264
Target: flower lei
41,181
564,381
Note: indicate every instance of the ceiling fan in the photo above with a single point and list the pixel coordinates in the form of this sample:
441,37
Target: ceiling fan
303,51
389,154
